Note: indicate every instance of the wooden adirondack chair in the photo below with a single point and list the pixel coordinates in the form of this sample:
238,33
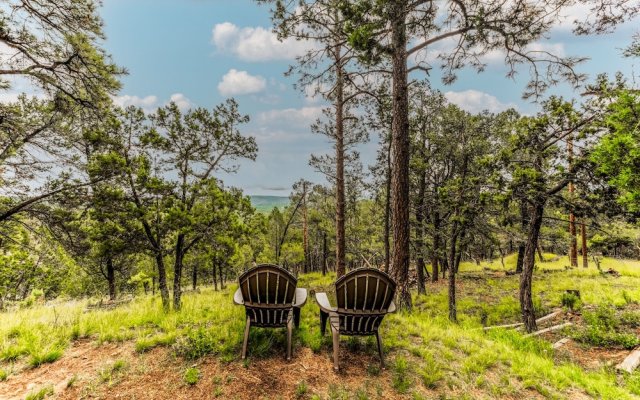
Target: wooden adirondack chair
271,300
364,297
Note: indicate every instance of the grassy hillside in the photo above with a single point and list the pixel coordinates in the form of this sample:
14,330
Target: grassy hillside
195,353
266,203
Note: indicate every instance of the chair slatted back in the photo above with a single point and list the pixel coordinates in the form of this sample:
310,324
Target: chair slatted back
363,297
268,292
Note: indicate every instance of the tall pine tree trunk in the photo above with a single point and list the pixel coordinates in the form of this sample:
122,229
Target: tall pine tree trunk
194,276
387,213
420,264
400,153
162,280
305,228
220,274
521,243
436,247
585,252
340,196
453,312
213,273
526,278
111,278
324,253
573,241
177,272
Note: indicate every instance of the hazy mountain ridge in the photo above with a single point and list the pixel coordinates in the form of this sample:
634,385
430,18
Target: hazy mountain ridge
267,203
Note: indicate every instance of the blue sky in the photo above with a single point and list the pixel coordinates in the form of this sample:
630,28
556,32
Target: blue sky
199,52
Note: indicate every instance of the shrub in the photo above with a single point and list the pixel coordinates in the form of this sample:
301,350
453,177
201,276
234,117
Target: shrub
571,301
603,329
191,376
301,389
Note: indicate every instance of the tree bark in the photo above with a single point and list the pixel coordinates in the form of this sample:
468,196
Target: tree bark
111,278
213,270
340,196
177,272
436,247
194,276
162,281
526,278
305,228
453,312
387,213
585,252
420,264
573,242
400,153
222,286
324,253
521,243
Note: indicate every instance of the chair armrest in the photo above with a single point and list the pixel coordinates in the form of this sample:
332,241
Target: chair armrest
237,297
301,297
323,302
392,307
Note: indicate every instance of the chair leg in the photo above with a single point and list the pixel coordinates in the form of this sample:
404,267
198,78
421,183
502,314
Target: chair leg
323,322
336,348
296,316
380,349
246,338
289,335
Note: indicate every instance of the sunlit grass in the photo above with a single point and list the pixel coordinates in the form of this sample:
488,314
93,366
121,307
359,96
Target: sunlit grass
425,351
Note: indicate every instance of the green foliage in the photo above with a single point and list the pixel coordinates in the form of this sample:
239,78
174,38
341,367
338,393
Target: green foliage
605,328
45,357
3,375
162,339
301,389
401,382
571,301
191,376
618,153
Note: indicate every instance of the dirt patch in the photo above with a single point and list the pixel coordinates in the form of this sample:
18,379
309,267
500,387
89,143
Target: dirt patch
591,358
79,362
158,374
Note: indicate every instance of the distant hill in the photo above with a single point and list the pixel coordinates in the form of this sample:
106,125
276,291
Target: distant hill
267,203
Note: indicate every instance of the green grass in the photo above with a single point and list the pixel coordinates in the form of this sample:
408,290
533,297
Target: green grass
425,352
112,372
40,393
191,376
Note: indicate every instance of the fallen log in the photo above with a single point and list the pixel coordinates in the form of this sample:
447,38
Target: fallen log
549,316
631,362
486,328
518,325
550,329
561,342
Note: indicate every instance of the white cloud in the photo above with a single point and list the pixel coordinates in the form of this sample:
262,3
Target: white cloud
475,101
237,82
150,103
181,101
299,117
126,100
256,44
